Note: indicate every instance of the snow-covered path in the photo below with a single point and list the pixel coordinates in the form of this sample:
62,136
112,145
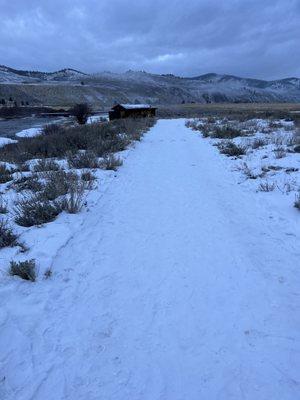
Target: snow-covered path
178,285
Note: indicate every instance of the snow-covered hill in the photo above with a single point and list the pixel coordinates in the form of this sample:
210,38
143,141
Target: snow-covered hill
140,86
10,75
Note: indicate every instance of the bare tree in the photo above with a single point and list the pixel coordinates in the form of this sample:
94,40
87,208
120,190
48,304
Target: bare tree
81,112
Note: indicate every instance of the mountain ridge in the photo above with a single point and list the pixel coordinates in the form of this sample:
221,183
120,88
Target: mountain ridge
69,85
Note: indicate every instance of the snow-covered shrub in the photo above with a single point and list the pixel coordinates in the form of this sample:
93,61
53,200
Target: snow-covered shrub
86,159
5,174
24,269
266,186
23,167
36,210
226,132
7,237
258,142
246,170
30,182
46,165
87,176
111,162
53,129
74,200
280,152
231,149
57,183
276,125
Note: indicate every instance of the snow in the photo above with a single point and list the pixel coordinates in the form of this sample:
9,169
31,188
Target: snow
31,132
134,106
175,283
4,141
96,118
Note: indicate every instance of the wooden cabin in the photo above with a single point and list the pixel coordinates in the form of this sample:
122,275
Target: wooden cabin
131,111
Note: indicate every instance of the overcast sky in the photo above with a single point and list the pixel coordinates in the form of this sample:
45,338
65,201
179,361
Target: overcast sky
258,38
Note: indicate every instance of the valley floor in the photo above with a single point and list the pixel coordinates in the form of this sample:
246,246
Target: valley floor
179,284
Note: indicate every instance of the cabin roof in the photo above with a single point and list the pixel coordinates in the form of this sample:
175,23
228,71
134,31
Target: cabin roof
134,106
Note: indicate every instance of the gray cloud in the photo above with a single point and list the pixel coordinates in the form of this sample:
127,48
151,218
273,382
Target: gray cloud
186,37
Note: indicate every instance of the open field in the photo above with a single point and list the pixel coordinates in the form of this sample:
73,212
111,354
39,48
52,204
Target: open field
246,110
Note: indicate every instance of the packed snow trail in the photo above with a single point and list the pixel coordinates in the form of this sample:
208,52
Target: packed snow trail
179,285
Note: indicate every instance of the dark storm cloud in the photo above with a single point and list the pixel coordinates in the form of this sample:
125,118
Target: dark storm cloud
248,38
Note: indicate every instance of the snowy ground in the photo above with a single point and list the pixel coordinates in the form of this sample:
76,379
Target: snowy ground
30,132
175,283
4,141
269,165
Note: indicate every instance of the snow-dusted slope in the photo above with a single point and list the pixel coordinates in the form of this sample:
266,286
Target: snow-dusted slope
176,284
10,75
65,86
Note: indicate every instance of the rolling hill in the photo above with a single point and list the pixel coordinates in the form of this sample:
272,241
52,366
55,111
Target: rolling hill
68,86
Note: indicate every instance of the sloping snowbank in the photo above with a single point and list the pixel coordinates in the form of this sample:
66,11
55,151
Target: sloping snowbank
4,141
31,132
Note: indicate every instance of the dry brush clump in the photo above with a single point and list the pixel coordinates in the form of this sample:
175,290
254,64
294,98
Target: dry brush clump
43,165
23,269
266,186
7,236
226,132
258,143
74,200
51,129
5,174
62,191
33,210
57,183
249,174
230,149
280,152
83,159
27,183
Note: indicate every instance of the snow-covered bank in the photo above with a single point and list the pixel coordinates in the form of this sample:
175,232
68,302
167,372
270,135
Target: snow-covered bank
4,141
30,132
176,283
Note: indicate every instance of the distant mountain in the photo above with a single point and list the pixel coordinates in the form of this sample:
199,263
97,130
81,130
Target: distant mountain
67,86
11,75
